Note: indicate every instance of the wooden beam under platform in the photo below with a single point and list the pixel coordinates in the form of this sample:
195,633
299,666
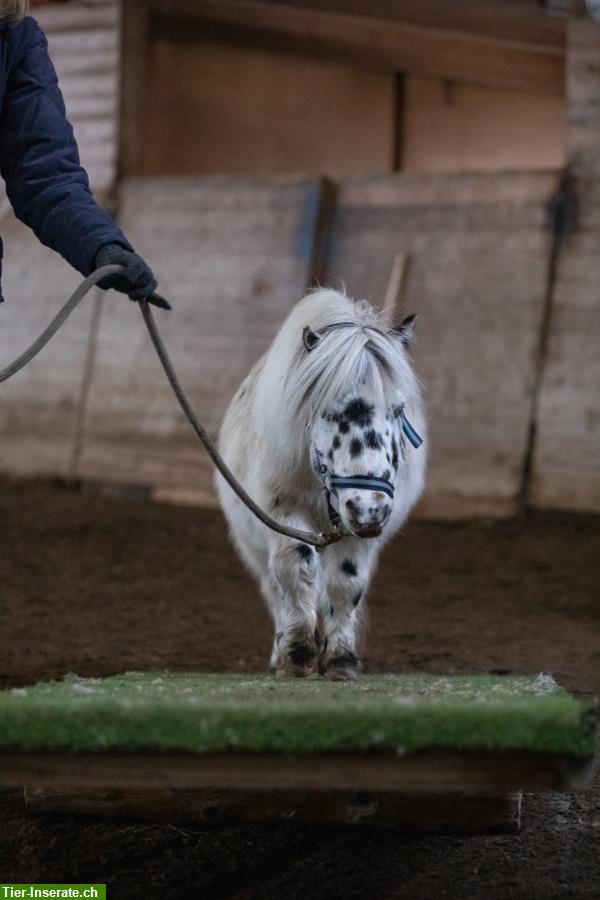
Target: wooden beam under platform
429,772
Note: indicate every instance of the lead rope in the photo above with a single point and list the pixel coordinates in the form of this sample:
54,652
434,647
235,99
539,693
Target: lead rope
319,540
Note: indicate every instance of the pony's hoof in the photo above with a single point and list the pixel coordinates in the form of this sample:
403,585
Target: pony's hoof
345,667
340,673
294,672
300,659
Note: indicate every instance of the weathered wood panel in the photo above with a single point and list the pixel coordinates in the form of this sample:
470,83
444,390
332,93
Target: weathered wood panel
83,38
460,127
566,465
431,772
380,40
478,251
39,407
233,256
408,813
253,112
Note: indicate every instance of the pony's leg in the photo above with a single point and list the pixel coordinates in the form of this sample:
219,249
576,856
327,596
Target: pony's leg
347,571
292,588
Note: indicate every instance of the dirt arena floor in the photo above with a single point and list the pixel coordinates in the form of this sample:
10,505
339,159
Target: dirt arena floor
95,586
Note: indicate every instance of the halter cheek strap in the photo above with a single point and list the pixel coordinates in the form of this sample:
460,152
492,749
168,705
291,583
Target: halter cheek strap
415,439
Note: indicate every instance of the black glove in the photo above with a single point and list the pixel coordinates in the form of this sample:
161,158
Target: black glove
136,280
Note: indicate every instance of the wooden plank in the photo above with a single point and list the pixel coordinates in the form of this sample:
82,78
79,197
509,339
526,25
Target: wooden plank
461,127
83,40
566,461
39,407
78,15
582,78
523,21
386,44
433,772
408,813
479,250
252,111
234,256
134,75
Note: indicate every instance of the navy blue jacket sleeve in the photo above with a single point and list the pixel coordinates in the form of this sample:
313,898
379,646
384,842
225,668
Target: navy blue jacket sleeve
39,159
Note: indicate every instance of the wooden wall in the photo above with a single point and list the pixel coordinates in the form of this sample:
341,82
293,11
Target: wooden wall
478,251
41,408
233,256
254,111
506,354
566,465
455,126
249,87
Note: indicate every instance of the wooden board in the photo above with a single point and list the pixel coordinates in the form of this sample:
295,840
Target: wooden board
460,127
408,813
253,111
566,465
433,772
380,39
41,406
83,40
233,256
478,249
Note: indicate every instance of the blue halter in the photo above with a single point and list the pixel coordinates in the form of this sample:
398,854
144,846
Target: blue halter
362,483
415,439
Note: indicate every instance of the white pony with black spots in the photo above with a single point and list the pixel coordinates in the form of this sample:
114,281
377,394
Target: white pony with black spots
332,409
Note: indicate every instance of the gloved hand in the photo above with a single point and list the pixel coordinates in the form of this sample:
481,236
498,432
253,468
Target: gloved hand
136,279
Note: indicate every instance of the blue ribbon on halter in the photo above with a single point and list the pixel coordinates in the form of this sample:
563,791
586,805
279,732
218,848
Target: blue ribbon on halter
415,439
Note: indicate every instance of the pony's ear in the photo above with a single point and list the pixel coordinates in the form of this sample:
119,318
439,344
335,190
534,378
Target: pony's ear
309,338
406,329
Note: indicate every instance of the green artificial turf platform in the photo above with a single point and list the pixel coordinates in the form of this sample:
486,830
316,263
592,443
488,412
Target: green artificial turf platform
209,713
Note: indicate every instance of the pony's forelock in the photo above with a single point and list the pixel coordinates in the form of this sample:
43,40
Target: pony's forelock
358,357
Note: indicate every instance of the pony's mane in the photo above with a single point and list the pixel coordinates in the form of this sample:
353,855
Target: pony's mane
295,385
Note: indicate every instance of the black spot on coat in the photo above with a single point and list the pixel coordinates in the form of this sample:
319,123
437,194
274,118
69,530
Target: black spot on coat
344,427
356,448
304,551
394,453
373,439
336,442
348,567
359,412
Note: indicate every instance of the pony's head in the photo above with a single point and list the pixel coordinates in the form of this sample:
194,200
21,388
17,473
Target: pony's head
334,397
358,440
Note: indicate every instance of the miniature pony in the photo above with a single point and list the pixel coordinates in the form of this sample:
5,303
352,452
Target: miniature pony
329,424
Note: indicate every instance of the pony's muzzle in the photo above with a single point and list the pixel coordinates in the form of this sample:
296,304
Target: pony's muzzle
366,513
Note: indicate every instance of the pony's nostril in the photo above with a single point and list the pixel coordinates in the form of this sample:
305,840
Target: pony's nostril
379,513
